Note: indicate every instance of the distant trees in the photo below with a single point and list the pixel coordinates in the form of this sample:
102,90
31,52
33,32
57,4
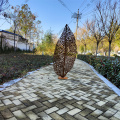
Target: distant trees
104,27
95,31
25,23
83,37
108,19
48,44
117,37
26,19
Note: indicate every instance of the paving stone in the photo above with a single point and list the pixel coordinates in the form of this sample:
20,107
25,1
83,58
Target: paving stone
29,108
72,101
48,111
47,104
27,103
113,110
79,117
117,106
100,103
38,110
44,116
90,107
66,116
33,99
33,95
90,102
19,114
58,105
85,112
74,111
61,111
110,104
6,113
108,114
69,106
96,113
81,102
1,117
90,117
117,115
32,115
103,118
79,106
13,118
7,102
56,116
102,108
62,100
16,102
114,118
17,108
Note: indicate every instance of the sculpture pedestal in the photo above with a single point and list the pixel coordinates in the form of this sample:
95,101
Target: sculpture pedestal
63,78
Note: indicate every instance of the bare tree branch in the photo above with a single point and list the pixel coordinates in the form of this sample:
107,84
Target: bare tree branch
4,4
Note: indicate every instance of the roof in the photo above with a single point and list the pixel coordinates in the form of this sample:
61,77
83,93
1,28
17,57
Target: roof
10,33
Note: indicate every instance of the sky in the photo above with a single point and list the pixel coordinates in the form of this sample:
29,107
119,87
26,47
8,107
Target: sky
55,14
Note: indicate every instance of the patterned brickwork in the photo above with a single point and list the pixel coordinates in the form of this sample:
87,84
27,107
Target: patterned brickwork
42,96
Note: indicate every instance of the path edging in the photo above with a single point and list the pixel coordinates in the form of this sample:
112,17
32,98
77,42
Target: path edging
108,83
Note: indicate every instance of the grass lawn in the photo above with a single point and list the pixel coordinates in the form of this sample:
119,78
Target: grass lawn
16,65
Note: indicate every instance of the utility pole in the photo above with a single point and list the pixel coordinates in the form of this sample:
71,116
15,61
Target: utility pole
14,35
77,16
77,23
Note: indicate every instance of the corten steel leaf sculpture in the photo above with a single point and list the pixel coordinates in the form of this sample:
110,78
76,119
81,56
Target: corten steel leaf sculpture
65,53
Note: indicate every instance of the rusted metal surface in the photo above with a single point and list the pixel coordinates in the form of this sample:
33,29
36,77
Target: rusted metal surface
65,53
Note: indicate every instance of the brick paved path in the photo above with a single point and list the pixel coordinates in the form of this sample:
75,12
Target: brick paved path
42,96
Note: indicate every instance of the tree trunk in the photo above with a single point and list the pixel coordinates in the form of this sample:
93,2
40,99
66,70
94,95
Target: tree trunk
26,42
14,41
109,48
26,45
85,49
104,53
1,44
97,47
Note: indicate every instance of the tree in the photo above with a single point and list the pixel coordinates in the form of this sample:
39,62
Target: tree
104,46
96,32
108,19
3,5
48,37
13,16
48,44
37,30
117,37
26,19
83,36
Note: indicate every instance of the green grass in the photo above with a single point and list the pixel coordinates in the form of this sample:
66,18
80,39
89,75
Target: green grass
16,65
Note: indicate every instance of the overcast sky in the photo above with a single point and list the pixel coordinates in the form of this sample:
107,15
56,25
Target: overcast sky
55,14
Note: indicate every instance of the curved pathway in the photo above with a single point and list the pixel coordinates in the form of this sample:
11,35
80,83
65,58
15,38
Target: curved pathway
42,96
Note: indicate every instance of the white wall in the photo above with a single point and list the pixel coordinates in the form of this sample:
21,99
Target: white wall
19,45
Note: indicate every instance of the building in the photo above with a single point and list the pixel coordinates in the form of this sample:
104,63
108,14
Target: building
7,41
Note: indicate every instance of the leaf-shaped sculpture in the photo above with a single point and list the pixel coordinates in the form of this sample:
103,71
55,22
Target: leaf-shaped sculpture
65,53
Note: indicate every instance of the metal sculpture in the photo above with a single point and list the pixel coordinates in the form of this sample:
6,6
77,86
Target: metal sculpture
65,53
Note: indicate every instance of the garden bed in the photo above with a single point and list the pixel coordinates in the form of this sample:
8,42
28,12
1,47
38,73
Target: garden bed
17,65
